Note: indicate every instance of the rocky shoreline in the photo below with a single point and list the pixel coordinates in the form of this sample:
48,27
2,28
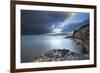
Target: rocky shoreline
59,55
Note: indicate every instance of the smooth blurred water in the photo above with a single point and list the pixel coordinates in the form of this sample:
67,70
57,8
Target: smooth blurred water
33,45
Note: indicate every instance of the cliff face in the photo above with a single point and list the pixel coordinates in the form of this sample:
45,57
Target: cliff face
81,37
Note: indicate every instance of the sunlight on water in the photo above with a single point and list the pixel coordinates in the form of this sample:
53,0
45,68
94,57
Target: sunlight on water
56,43
33,45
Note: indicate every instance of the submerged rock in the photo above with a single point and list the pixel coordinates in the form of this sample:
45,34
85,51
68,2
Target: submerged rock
59,55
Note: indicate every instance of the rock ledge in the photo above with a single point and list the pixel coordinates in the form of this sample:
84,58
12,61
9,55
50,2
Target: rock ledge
59,55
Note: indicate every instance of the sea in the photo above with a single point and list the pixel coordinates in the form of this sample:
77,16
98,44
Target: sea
33,45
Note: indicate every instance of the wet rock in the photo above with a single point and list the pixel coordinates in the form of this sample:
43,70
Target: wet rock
58,55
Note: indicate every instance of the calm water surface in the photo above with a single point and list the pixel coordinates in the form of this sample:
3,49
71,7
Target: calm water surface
33,45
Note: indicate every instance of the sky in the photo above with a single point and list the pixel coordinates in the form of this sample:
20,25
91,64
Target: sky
42,22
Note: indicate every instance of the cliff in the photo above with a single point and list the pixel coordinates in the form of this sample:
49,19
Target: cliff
81,37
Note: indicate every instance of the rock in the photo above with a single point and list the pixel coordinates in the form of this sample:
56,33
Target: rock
59,55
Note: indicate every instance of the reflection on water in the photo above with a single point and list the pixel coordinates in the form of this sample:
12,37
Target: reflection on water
33,45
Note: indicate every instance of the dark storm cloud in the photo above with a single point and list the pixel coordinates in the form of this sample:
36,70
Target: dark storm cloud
37,22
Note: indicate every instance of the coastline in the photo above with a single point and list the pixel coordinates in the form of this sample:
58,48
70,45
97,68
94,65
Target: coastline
81,37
